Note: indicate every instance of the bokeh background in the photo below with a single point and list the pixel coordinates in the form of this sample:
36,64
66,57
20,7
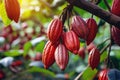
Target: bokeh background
22,43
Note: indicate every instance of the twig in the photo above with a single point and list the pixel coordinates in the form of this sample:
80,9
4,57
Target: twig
103,42
106,3
109,50
104,49
78,77
66,13
108,60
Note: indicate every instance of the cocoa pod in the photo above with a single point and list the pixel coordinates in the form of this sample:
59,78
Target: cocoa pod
116,7
54,30
71,41
6,47
48,54
103,75
93,28
8,29
37,57
94,58
79,26
81,52
12,9
91,46
61,56
116,35
2,75
16,63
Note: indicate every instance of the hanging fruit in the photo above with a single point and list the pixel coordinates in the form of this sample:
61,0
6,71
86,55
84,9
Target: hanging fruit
103,75
48,54
12,9
116,35
116,7
81,52
94,58
79,26
71,41
92,27
54,30
61,56
91,46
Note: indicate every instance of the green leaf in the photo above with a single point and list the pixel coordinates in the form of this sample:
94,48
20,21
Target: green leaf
27,47
88,74
103,56
41,70
71,73
116,53
102,4
3,14
13,53
39,47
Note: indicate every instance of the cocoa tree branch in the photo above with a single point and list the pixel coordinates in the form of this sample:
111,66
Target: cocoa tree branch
97,11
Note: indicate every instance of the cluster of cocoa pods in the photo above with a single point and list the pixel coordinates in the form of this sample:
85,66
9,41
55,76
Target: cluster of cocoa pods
60,42
10,35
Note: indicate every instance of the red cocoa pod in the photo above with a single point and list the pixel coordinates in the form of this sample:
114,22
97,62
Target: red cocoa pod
71,41
16,63
11,37
12,9
81,52
116,7
93,28
6,47
2,75
103,75
91,46
116,35
79,26
38,57
8,29
54,30
94,58
27,57
4,34
48,54
61,56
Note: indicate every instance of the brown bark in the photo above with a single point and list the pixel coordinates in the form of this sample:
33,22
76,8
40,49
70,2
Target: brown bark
97,11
